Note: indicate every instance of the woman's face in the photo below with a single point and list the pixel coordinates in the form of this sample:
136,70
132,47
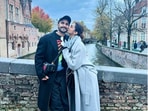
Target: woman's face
71,30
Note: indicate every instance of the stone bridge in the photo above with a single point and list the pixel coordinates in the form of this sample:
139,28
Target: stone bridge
121,89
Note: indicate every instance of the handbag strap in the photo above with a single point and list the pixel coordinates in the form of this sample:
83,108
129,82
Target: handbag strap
59,53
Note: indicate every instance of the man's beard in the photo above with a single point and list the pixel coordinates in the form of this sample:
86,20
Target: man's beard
61,30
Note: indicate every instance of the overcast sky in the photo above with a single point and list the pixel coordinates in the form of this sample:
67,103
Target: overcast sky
79,10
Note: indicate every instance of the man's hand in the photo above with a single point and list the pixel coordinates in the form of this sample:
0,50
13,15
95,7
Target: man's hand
45,78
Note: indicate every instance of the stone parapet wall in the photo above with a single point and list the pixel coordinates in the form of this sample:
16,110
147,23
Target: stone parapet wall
119,96
121,89
125,58
18,92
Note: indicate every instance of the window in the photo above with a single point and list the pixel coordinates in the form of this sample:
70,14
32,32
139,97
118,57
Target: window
28,43
25,20
143,24
14,27
135,36
143,10
17,14
13,45
135,24
23,44
143,36
11,12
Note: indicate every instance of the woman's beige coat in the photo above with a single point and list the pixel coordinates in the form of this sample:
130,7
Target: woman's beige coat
85,76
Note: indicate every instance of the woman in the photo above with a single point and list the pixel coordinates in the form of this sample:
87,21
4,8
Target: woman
84,91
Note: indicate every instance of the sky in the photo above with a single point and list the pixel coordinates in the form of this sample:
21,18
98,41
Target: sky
78,10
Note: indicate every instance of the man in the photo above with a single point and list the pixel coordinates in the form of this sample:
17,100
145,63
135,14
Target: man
52,88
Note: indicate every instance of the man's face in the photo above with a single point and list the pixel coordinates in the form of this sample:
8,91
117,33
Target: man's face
63,26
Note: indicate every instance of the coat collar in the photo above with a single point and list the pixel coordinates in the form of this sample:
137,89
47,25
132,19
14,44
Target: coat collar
54,39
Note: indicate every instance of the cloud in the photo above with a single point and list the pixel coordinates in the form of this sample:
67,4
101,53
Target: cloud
78,10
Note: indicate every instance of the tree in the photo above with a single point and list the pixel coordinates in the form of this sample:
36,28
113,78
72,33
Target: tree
129,12
86,30
41,20
102,23
118,26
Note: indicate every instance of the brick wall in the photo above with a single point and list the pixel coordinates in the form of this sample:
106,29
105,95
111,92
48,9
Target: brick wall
119,96
121,89
18,92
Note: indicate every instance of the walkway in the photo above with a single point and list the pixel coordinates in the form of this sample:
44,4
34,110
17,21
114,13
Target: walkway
145,51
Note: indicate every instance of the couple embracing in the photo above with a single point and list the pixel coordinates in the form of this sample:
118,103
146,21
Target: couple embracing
69,81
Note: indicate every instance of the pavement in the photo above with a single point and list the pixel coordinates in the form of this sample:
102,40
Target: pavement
145,51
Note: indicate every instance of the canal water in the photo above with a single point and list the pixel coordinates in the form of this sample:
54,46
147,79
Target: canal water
98,58
94,55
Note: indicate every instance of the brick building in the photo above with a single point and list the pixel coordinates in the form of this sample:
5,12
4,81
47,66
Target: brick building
18,36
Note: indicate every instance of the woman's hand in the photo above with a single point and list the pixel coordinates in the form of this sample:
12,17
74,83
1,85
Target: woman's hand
66,44
45,78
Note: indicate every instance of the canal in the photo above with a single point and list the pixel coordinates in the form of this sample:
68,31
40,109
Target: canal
94,55
98,58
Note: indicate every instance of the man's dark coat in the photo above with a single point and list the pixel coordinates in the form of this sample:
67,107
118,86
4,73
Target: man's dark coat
46,51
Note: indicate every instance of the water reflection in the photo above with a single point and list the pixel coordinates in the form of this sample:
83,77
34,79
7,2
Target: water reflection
98,58
94,55
31,56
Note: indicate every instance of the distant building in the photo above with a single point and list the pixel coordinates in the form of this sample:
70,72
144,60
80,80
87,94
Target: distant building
18,36
141,24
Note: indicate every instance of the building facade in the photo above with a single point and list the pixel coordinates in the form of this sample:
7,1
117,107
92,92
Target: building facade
3,46
18,36
141,25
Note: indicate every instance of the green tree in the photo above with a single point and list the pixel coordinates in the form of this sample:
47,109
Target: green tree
102,22
41,20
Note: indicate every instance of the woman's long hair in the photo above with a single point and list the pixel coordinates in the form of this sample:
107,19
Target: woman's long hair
79,28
